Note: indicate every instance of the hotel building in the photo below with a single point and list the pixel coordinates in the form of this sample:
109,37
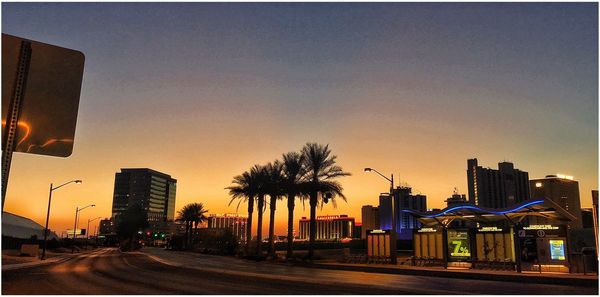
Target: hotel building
499,188
236,223
329,227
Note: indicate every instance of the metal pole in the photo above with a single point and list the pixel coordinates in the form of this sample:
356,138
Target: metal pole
46,229
87,234
74,230
14,111
393,237
517,243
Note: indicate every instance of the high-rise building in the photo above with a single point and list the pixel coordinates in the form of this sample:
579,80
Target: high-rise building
499,188
329,227
456,199
385,211
236,223
370,219
561,189
153,190
403,200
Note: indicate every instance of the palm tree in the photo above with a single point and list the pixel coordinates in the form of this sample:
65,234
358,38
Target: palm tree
293,171
244,189
273,189
260,181
187,215
198,212
320,172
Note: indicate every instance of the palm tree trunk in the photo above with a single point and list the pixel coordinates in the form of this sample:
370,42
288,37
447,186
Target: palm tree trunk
290,231
261,202
189,245
187,230
313,225
195,231
272,226
249,224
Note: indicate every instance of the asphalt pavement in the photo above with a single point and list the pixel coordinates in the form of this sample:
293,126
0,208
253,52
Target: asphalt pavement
108,271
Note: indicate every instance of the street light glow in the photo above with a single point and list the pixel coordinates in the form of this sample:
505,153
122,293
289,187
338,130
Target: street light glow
368,169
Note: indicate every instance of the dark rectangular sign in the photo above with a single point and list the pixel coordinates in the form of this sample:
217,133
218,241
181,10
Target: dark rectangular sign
50,101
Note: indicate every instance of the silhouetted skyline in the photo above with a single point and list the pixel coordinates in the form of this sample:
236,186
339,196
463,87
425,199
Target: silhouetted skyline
202,91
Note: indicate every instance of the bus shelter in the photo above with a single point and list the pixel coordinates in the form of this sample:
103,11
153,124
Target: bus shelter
476,237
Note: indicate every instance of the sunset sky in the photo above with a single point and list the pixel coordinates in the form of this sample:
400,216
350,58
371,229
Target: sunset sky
203,91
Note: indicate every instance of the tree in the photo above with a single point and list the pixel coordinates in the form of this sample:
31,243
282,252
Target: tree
273,176
192,214
245,189
321,170
133,220
260,180
293,171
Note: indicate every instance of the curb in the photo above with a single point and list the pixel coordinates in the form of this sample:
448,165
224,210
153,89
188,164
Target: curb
526,278
284,278
53,260
48,261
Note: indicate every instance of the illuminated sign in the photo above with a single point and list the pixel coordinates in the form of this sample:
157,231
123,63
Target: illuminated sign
458,244
422,230
570,177
377,231
557,249
541,227
489,229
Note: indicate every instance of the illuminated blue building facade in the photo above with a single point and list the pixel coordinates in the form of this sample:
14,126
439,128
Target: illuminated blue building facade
404,200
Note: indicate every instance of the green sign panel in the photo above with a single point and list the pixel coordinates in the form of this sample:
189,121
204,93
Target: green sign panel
458,245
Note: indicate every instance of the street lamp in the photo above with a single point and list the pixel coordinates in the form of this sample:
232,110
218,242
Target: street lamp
88,227
87,231
77,181
393,256
77,210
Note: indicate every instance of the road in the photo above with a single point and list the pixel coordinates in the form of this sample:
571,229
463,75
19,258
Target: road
107,271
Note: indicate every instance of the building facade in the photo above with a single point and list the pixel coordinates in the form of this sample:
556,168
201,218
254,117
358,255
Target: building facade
153,190
496,188
106,227
236,223
456,200
329,227
404,199
370,220
561,189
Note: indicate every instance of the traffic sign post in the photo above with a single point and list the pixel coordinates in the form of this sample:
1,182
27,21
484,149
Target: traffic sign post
41,85
14,111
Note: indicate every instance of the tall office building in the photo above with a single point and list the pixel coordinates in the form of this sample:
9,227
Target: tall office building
236,223
404,200
370,220
561,189
153,190
329,227
499,188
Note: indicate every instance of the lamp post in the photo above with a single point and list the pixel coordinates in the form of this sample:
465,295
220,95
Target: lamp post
77,210
77,181
87,231
393,256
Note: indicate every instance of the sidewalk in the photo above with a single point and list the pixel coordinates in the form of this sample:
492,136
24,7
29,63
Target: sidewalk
11,262
512,276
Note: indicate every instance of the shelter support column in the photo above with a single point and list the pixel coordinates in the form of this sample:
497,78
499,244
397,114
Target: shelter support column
517,245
